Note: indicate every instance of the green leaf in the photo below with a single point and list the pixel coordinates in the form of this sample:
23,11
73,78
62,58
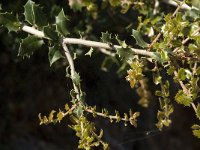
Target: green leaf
60,116
49,32
157,79
61,23
139,41
40,18
181,74
54,54
106,37
29,45
196,130
89,53
9,21
125,53
171,70
34,14
182,98
76,79
121,43
198,111
28,12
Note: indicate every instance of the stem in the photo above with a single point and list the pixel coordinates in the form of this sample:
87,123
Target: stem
72,68
184,6
105,46
102,46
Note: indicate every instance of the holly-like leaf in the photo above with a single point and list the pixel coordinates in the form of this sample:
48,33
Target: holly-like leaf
34,14
54,54
28,12
89,53
106,37
181,74
76,79
61,23
182,98
49,32
139,41
9,21
60,116
29,45
40,18
198,111
196,130
125,53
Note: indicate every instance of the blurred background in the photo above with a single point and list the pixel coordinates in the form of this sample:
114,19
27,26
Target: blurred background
29,87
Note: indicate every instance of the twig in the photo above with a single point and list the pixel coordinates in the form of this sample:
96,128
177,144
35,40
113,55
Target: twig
102,46
72,68
184,6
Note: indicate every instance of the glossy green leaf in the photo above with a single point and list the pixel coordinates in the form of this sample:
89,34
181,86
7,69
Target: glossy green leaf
9,21
40,18
61,23
198,111
34,14
106,37
181,74
125,53
182,98
49,32
29,45
54,54
139,41
196,130
28,12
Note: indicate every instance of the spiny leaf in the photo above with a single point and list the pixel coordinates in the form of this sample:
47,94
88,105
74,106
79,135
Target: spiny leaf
182,98
181,74
34,14
76,79
54,54
60,116
196,130
198,111
9,21
89,53
139,41
61,23
28,12
29,45
125,53
49,32
106,37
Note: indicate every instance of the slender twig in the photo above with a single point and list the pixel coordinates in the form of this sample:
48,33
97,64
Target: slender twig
72,68
184,6
101,46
